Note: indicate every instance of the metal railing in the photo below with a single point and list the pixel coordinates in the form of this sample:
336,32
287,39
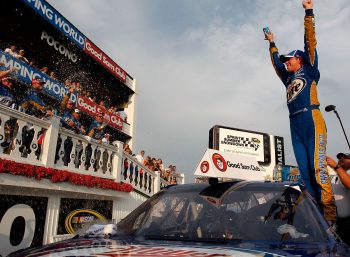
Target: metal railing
27,139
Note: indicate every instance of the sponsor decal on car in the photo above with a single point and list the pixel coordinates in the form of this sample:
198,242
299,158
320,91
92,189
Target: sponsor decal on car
149,251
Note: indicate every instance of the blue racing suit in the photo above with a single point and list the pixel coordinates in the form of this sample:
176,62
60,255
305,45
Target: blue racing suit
33,104
66,118
308,129
96,131
6,96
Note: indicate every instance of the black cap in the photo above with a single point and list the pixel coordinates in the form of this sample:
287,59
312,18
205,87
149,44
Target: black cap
346,155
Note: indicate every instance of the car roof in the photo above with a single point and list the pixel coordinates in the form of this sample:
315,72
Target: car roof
201,186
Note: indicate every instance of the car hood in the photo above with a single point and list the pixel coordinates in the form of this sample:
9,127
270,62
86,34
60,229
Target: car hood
154,248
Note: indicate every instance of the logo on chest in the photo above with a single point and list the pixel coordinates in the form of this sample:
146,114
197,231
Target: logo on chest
295,88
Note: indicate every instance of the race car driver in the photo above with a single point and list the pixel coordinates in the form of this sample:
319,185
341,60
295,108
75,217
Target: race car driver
299,72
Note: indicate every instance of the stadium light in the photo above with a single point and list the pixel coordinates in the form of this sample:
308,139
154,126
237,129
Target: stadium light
330,108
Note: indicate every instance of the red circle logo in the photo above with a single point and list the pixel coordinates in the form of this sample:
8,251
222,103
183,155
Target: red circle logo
219,162
204,167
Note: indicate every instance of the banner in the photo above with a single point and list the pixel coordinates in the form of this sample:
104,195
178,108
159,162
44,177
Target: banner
97,54
22,222
75,214
242,143
227,165
59,46
26,73
86,105
290,173
279,150
46,11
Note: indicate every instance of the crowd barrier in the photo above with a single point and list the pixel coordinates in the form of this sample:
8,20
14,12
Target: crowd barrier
26,139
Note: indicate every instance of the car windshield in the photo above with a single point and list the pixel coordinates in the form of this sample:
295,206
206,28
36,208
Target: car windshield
228,211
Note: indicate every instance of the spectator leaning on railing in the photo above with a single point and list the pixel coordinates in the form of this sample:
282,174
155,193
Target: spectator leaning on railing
71,121
7,96
33,104
140,156
11,50
96,131
44,70
21,56
67,105
127,149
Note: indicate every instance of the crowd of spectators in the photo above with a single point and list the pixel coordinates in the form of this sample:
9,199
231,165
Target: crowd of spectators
83,90
33,101
169,174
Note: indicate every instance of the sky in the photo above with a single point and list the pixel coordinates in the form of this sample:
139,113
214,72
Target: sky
200,63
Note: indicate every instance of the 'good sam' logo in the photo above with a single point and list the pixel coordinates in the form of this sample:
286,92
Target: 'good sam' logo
295,88
205,167
219,162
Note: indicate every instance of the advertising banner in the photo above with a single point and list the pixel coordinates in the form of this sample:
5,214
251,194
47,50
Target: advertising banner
59,47
22,222
279,150
46,11
26,73
242,143
104,60
290,173
227,165
91,108
76,214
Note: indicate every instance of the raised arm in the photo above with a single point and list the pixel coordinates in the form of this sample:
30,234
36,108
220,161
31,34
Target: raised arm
310,34
275,57
5,73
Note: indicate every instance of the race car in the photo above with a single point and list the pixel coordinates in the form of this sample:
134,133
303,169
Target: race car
232,218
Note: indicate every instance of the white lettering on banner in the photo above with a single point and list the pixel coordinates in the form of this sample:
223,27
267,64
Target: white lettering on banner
93,51
86,106
117,121
120,73
58,47
19,210
23,70
104,60
92,108
27,73
108,64
279,151
59,21
43,8
58,90
106,116
56,19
